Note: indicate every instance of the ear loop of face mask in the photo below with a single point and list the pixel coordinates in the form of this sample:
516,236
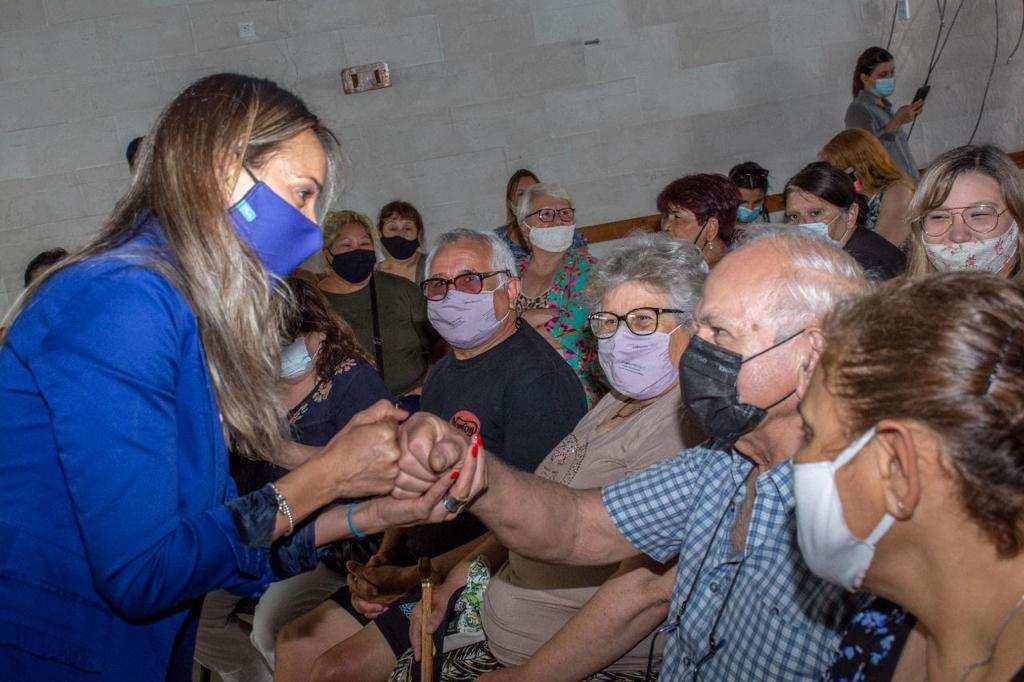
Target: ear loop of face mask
770,348
699,232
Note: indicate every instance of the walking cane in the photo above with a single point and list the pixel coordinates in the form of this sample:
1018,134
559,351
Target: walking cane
426,604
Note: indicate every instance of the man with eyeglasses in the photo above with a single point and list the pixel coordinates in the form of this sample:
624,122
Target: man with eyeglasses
501,381
743,604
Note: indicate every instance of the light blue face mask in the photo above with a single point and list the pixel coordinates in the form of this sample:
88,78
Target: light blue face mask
295,359
884,86
820,229
748,215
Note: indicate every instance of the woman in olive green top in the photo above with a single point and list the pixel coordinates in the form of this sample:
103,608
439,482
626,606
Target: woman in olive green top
399,347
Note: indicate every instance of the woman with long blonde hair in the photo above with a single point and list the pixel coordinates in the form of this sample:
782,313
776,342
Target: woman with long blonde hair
128,368
966,214
887,188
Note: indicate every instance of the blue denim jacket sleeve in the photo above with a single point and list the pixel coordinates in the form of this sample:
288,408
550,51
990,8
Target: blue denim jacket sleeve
254,516
123,377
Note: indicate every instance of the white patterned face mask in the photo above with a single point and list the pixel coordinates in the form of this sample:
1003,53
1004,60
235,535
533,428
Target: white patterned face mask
987,255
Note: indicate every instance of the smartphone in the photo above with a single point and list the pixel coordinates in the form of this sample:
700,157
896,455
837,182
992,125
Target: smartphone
921,93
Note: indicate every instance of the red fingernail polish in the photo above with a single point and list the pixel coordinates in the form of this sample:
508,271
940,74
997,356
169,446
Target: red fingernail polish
455,474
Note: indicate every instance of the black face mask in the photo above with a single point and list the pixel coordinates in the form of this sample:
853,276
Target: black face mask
354,266
707,378
399,247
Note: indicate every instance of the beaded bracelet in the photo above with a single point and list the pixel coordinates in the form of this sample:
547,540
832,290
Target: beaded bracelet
284,508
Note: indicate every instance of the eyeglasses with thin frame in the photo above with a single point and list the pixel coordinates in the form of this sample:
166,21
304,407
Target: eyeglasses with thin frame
436,288
547,215
980,218
640,321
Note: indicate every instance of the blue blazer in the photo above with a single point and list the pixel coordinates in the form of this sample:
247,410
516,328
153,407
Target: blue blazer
113,478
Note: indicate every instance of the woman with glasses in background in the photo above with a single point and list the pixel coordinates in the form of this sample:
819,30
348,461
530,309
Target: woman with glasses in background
966,214
553,277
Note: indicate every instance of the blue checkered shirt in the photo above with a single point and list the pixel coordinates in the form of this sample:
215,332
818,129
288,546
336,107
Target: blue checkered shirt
780,622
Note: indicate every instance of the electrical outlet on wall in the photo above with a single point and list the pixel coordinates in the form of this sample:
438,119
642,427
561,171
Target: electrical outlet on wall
246,30
903,9
366,77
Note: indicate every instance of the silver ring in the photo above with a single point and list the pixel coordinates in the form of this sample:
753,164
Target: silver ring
451,504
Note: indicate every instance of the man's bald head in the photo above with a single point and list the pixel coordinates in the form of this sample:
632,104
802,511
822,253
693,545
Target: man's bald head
765,302
790,277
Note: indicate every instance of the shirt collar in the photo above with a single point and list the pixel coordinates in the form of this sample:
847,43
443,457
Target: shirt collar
779,477
869,98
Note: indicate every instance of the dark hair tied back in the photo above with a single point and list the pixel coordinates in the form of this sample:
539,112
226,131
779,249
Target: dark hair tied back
866,63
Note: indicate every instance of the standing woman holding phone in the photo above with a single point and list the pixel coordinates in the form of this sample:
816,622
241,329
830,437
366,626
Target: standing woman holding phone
873,83
126,371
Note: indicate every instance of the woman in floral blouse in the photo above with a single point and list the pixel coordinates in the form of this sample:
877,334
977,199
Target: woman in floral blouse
553,275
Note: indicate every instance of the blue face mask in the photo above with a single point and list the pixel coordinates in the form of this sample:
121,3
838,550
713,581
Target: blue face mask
748,215
884,86
819,228
277,231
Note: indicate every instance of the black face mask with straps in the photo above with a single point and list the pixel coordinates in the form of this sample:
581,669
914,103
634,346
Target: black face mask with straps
707,379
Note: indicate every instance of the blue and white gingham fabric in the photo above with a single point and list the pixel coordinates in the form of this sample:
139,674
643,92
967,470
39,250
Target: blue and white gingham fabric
780,622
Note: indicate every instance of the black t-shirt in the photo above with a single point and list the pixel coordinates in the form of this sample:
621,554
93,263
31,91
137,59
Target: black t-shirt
522,398
879,258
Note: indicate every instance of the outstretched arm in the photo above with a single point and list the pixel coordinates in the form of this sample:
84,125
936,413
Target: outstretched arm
519,508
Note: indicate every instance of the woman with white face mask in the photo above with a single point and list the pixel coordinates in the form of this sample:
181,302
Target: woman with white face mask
910,480
966,214
553,275
325,379
823,199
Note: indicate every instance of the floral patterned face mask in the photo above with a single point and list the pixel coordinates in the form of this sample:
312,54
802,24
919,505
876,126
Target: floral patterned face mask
987,255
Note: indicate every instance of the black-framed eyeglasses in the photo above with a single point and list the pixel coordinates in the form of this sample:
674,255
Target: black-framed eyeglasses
547,215
436,288
980,218
640,321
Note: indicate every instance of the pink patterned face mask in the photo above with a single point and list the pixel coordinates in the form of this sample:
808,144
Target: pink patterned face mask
987,255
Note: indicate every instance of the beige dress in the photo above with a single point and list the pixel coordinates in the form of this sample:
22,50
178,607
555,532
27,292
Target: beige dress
527,601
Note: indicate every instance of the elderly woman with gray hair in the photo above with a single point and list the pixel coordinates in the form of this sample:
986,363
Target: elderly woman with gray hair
643,299
554,274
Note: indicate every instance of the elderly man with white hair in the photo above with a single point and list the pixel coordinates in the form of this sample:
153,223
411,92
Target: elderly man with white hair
501,384
744,606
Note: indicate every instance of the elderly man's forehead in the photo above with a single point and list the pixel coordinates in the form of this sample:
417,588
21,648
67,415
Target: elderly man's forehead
741,283
463,255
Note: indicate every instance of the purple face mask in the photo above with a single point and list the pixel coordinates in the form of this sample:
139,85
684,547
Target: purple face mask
464,320
638,367
277,231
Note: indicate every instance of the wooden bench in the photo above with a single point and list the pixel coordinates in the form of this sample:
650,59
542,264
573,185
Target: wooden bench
617,229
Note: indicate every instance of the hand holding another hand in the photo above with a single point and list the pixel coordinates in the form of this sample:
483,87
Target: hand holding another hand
363,457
